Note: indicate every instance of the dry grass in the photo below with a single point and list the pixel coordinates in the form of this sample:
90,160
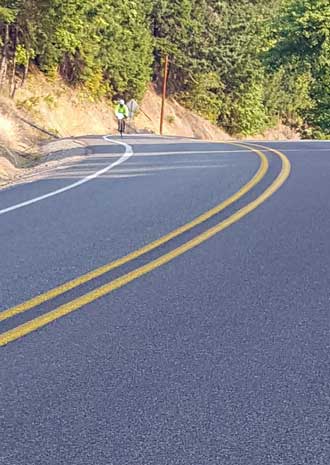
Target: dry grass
63,110
178,120
8,130
68,112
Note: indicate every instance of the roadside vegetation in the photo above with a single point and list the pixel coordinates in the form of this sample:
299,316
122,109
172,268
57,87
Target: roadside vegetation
245,65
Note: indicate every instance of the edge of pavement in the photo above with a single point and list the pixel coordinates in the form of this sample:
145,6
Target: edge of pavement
15,168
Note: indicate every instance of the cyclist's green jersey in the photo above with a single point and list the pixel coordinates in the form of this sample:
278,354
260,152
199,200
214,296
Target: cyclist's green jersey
122,110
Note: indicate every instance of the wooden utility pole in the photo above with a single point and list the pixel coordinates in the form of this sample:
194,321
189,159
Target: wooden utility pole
164,94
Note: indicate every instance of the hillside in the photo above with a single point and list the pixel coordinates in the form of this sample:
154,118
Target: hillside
245,66
65,112
52,105
236,69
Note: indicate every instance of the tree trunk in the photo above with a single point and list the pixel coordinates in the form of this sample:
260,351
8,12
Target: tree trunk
26,72
12,84
13,89
4,57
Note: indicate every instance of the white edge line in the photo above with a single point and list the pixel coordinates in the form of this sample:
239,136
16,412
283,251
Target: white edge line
128,153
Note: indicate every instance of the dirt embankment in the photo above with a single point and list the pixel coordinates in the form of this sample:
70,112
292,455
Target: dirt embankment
67,112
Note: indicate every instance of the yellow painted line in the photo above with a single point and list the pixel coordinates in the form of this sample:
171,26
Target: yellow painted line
92,296
51,294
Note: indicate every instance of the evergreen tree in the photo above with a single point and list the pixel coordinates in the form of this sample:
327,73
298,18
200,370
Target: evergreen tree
244,64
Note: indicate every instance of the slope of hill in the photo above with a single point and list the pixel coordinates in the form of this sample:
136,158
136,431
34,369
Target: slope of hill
53,106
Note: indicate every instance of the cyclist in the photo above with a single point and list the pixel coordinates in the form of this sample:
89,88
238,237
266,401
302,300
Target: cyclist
122,113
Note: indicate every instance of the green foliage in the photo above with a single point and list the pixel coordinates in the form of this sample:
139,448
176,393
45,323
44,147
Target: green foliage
204,95
287,93
302,48
23,55
244,65
126,47
7,15
247,114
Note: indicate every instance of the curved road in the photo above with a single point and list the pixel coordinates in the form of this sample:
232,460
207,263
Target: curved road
166,301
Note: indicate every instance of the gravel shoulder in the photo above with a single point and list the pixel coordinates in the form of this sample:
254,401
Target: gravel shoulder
16,169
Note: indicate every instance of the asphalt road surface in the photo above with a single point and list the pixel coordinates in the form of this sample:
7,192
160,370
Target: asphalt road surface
166,301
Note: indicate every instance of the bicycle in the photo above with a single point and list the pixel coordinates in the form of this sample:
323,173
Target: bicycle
121,124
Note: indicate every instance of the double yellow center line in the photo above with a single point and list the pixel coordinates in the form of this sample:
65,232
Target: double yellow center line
36,323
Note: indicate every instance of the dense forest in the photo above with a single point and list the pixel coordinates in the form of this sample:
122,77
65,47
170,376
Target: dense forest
244,64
